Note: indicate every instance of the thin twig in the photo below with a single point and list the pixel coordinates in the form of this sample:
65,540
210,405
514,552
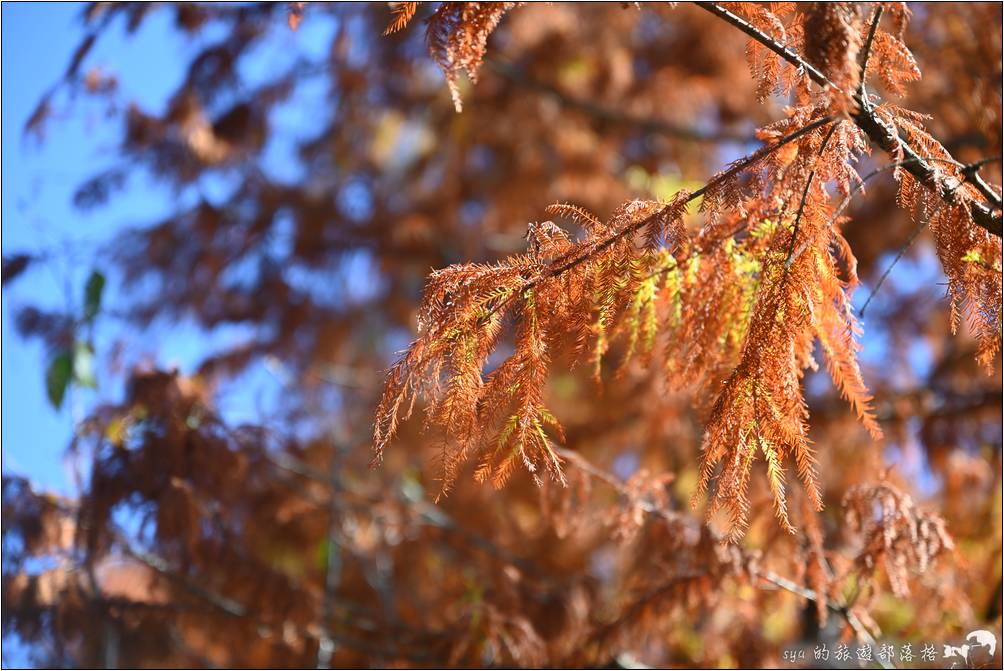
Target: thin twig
801,205
866,53
560,265
333,563
612,115
732,171
976,165
902,251
877,171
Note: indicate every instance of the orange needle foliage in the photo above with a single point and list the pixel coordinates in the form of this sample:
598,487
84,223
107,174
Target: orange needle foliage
783,244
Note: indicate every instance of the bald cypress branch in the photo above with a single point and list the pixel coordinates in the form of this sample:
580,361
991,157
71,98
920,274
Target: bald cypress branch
878,131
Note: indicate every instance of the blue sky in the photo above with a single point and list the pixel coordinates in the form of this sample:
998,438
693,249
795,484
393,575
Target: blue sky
38,182
38,217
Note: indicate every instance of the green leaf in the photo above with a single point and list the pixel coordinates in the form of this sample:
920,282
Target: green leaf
327,550
83,365
411,487
57,378
92,294
117,430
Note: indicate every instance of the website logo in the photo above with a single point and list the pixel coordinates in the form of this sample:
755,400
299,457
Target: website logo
979,648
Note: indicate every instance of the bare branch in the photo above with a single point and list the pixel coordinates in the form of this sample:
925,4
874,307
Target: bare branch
971,172
766,40
902,250
611,115
866,52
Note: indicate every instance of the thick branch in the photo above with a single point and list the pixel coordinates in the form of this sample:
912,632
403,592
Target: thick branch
878,131
881,133
972,173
